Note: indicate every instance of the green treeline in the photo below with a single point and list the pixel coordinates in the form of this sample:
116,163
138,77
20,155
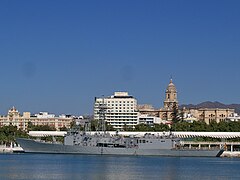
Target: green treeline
9,133
202,126
196,126
32,127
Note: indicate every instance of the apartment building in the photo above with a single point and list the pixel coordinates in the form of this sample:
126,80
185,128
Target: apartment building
119,109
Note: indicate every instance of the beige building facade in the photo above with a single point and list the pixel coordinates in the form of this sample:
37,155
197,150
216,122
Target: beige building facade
209,115
14,118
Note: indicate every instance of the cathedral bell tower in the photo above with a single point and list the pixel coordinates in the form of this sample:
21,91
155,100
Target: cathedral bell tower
171,101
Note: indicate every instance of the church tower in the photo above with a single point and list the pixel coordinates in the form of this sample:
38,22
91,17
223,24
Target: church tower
171,101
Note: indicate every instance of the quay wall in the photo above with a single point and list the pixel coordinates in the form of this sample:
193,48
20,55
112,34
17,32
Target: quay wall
4,149
231,154
7,149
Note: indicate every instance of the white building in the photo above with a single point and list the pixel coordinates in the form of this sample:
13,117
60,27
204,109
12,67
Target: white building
121,110
188,117
44,115
233,117
149,120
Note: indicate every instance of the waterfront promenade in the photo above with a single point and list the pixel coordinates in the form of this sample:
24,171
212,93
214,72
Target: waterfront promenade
231,149
10,149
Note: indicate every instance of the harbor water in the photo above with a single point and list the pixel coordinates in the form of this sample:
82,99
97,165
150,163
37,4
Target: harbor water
59,166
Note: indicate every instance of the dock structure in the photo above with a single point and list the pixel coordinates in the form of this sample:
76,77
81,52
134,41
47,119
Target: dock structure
227,146
10,149
220,135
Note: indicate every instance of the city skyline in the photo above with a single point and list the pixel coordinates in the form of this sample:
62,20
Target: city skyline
57,56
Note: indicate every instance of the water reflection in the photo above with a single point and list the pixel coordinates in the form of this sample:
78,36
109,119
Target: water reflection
47,166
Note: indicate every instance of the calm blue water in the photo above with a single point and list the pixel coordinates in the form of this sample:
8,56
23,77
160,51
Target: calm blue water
48,166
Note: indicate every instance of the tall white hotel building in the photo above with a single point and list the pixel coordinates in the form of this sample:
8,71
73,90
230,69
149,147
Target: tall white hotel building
121,110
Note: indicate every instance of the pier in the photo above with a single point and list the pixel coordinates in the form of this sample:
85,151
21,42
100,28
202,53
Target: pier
228,146
231,149
10,149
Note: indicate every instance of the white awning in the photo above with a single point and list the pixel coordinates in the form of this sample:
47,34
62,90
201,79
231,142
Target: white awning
221,135
46,133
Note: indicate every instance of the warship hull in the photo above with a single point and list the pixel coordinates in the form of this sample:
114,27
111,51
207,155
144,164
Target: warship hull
32,146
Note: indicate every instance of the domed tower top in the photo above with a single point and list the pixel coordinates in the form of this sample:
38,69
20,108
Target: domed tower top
171,87
13,112
13,109
171,96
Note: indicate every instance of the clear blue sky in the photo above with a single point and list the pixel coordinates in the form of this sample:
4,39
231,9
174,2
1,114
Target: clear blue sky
58,55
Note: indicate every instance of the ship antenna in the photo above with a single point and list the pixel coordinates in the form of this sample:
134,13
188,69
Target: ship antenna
102,115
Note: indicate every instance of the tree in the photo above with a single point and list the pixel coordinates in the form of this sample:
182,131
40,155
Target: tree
142,127
43,128
198,126
213,126
9,133
94,125
30,125
175,114
160,127
63,128
109,127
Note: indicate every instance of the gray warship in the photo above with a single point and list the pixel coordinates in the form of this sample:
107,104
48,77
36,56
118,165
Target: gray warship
77,142
104,143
